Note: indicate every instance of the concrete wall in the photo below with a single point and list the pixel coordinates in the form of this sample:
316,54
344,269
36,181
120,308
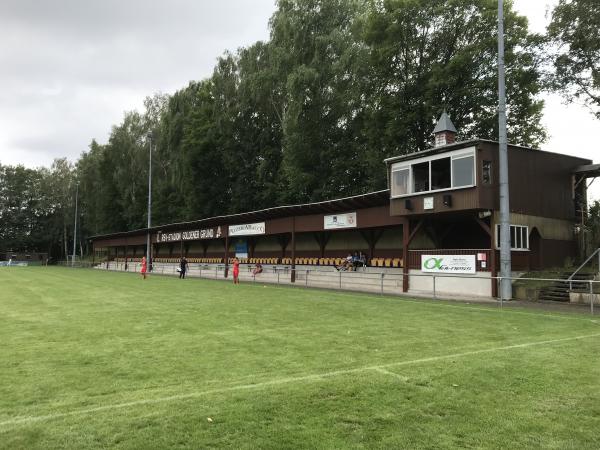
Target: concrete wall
478,285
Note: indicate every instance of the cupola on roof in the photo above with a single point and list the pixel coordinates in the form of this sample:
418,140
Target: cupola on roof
444,124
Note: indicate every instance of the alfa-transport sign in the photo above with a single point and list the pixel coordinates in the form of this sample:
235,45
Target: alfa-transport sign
448,263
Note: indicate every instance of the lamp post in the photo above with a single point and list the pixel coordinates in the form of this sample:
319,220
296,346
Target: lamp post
505,263
148,243
75,227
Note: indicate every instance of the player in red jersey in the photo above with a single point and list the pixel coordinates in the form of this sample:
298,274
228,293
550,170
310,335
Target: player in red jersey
143,271
236,271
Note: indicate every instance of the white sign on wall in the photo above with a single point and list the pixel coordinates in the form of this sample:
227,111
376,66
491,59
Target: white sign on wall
247,229
448,263
347,220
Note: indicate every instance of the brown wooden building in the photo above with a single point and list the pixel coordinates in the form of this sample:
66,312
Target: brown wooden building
441,201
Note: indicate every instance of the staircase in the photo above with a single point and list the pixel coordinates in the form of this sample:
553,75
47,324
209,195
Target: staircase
558,291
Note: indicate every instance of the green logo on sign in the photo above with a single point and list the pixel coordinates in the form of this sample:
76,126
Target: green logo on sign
433,263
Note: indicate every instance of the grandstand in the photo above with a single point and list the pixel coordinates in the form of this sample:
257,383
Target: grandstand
441,204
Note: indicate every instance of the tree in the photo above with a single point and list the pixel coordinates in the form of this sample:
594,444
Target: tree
20,211
575,32
430,55
311,113
319,56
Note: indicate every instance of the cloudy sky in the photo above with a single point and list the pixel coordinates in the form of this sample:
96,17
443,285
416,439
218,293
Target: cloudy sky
70,68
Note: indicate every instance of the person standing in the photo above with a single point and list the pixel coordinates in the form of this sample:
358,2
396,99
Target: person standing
236,271
143,271
183,266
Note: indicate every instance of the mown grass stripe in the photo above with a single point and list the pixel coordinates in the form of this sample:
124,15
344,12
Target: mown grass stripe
310,377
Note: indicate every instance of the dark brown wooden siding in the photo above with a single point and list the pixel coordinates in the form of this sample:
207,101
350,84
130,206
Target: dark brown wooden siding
540,185
540,182
462,199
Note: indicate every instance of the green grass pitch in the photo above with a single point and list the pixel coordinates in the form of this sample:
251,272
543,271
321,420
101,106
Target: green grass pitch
92,359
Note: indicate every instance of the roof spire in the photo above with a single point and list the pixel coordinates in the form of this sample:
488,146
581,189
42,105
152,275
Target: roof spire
444,131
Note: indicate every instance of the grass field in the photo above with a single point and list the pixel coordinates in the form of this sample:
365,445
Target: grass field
91,359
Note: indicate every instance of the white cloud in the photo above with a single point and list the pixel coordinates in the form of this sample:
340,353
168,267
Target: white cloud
70,68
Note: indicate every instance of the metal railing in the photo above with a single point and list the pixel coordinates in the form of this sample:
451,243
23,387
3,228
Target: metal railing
369,280
570,279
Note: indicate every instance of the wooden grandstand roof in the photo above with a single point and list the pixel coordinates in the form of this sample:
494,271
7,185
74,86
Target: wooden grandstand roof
369,200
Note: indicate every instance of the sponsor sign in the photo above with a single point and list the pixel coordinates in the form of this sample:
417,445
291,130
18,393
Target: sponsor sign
241,249
247,229
347,220
192,235
448,263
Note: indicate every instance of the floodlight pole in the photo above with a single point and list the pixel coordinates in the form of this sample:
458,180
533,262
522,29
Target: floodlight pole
505,263
75,227
148,243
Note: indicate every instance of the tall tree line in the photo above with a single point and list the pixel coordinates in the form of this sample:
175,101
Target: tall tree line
307,115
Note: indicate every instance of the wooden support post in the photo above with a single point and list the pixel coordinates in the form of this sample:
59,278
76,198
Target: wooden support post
322,239
405,241
251,246
204,248
284,240
371,237
293,271
494,270
415,231
227,256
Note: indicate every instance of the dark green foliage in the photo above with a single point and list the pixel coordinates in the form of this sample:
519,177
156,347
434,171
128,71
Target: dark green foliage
311,113
36,206
430,55
575,32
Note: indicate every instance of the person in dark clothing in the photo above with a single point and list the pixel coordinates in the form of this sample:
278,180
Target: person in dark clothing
183,266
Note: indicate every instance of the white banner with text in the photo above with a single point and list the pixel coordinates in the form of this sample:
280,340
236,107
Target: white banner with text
333,222
247,229
448,264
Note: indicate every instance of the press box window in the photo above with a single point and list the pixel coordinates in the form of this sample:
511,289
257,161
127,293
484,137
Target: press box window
420,177
519,237
400,181
434,174
462,171
440,174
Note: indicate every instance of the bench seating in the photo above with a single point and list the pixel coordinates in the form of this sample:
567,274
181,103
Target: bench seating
374,262
386,262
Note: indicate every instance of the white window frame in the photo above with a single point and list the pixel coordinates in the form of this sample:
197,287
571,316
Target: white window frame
523,248
457,154
408,184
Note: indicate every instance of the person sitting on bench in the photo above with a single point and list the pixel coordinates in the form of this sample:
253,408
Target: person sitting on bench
346,264
359,260
257,269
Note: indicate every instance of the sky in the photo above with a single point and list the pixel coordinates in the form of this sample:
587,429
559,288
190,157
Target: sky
70,69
